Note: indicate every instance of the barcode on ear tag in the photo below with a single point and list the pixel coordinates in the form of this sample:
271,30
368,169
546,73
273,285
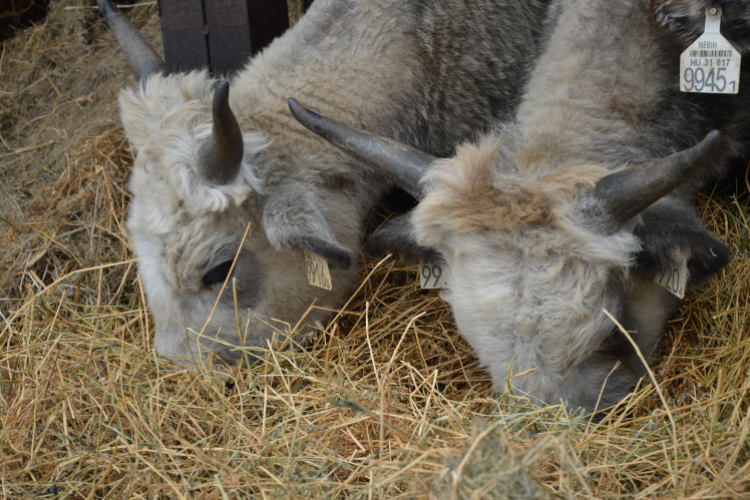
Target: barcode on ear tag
317,271
673,279
430,273
711,65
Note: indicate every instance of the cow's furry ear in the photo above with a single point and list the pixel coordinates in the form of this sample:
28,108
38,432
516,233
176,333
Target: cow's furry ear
396,237
672,232
292,219
137,118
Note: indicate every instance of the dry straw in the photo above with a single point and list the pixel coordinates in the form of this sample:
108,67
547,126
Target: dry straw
386,402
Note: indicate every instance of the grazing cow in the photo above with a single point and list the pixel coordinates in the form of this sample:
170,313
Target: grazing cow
209,163
572,208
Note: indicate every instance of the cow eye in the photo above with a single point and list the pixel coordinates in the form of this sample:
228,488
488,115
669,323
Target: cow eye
218,274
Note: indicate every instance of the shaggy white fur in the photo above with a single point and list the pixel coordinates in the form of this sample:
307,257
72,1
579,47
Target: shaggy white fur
166,120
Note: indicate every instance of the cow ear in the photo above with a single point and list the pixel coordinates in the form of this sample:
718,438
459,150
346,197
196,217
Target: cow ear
686,19
137,118
292,218
396,237
672,233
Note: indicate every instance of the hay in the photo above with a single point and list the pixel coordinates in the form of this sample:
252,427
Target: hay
59,86
16,14
295,10
387,402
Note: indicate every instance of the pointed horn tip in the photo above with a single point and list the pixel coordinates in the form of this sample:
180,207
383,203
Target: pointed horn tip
706,148
301,113
295,107
221,96
712,139
220,157
627,199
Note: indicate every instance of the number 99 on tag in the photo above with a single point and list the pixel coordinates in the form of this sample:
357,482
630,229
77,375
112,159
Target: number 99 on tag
430,274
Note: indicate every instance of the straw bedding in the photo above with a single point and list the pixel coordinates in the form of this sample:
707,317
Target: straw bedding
386,402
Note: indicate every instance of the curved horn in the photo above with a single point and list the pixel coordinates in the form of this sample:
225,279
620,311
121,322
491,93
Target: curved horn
221,155
626,193
142,58
399,162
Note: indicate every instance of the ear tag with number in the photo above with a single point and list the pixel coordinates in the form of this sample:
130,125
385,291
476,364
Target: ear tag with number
711,64
317,271
430,273
673,279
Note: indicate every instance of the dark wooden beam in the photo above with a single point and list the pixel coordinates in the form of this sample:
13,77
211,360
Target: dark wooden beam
185,42
220,35
268,19
228,26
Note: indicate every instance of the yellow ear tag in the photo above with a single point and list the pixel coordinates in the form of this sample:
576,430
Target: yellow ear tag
711,65
317,271
430,273
673,279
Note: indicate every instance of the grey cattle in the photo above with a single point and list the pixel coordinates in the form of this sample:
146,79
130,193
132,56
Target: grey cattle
210,162
565,214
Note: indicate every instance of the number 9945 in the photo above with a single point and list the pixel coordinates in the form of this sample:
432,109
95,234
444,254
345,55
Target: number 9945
711,80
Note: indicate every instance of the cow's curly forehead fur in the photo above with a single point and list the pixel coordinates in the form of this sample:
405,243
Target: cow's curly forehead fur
481,193
467,194
167,119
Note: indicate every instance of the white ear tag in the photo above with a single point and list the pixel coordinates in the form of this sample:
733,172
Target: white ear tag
673,279
711,65
430,273
317,271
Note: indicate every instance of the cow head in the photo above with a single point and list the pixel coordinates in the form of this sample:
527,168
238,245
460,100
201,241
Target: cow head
535,256
201,209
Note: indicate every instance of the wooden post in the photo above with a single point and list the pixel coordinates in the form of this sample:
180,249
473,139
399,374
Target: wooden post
268,19
182,29
219,34
228,27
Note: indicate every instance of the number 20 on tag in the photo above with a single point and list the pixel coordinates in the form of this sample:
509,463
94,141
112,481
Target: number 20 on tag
673,279
711,64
